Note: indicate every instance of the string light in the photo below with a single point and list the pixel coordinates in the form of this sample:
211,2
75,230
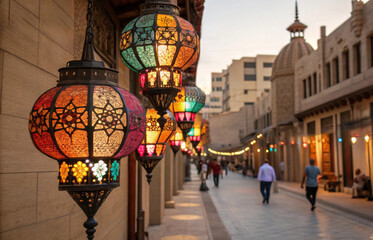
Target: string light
229,153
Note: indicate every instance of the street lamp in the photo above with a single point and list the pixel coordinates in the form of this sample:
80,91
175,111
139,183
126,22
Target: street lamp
159,45
188,102
87,123
151,149
176,140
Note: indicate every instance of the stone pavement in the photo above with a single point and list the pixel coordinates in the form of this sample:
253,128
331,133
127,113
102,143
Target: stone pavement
339,200
287,216
188,220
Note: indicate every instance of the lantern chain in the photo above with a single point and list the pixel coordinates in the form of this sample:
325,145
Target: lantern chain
89,36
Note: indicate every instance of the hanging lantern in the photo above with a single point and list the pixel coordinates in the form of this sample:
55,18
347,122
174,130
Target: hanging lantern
87,124
188,102
152,148
195,133
176,140
184,149
199,149
159,45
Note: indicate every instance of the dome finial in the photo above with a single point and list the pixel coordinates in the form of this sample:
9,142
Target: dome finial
296,10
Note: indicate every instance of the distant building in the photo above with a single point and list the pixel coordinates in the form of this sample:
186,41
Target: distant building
245,79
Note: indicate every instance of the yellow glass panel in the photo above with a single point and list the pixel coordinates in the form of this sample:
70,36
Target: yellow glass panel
64,171
102,95
183,57
152,137
176,78
159,149
166,54
104,146
167,36
166,21
79,170
165,77
152,77
164,136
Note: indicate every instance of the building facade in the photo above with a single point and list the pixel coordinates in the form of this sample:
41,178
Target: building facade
334,97
245,79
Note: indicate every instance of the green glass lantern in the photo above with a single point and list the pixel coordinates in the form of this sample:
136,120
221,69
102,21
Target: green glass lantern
159,45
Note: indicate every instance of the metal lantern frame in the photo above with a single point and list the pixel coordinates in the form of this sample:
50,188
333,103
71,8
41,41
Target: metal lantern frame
87,123
188,102
151,150
160,45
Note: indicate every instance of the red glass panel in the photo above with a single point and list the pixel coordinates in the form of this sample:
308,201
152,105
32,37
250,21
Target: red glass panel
46,145
47,98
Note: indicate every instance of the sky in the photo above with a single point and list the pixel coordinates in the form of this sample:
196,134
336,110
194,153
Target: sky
232,29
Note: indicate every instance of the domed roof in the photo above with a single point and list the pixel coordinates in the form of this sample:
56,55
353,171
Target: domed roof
285,60
297,48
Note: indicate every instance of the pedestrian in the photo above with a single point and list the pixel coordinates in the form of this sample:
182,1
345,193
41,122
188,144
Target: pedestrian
216,170
266,176
311,173
358,185
282,168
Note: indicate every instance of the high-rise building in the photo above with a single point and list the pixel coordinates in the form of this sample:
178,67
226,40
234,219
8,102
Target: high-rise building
245,79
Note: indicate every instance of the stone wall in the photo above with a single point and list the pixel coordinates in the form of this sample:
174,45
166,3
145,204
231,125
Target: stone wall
36,39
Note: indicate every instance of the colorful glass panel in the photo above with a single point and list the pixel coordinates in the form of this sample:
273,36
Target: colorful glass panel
109,121
165,77
177,79
166,35
188,39
64,171
99,170
130,25
130,57
144,36
114,170
166,54
185,24
70,119
146,21
193,59
80,170
166,21
126,41
147,56
185,53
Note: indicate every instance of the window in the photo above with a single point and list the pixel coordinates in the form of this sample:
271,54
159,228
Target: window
346,64
314,83
213,79
250,65
267,78
245,91
357,59
336,70
213,89
249,103
309,86
304,89
266,90
267,65
218,79
250,77
328,75
216,99
219,89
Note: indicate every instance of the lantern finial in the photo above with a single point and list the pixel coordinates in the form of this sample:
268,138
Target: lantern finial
88,54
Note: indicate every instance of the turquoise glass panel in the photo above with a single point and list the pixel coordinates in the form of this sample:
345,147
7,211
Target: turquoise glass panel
189,106
191,132
198,107
130,57
147,56
146,21
130,25
144,36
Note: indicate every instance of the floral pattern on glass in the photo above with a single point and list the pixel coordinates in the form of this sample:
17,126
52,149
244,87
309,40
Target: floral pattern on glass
115,170
79,170
64,171
99,170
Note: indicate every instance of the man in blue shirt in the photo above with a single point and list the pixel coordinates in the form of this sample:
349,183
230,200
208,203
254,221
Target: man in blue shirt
266,176
311,173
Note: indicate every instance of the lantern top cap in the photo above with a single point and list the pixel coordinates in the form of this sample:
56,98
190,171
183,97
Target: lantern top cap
160,6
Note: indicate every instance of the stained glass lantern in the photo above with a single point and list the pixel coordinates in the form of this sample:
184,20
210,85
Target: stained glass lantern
87,123
188,102
159,45
195,133
152,147
199,149
176,140
184,149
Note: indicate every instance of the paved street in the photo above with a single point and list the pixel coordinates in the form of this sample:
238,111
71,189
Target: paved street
287,216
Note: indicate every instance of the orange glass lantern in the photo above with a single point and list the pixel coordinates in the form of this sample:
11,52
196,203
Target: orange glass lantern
159,45
152,147
87,123
176,140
